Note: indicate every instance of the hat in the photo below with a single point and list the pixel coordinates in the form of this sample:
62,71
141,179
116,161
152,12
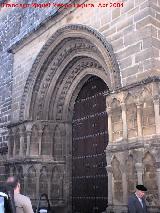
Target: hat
141,188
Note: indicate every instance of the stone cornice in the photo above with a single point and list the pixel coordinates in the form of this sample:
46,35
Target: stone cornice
145,142
145,81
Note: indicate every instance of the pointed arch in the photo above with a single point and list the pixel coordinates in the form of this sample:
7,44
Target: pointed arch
31,182
58,147
116,120
117,176
132,180
47,141
21,177
150,178
56,184
43,181
34,146
17,141
131,114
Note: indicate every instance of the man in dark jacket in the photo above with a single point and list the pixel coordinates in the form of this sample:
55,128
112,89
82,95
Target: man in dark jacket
136,202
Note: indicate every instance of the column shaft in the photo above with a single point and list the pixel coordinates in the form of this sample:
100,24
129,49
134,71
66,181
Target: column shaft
124,119
110,133
21,145
157,115
139,169
139,120
125,190
110,187
158,181
28,143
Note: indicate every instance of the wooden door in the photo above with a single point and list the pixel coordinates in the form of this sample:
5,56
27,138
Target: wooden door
90,138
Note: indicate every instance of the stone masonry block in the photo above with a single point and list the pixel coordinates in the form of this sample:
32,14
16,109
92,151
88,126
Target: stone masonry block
147,42
135,36
127,62
138,2
129,5
133,49
144,54
155,22
145,21
130,71
141,14
156,64
115,13
110,31
156,43
125,23
118,44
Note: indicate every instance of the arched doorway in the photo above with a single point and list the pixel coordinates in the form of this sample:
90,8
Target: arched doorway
89,140
68,59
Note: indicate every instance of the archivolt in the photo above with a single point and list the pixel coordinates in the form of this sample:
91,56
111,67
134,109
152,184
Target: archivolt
71,50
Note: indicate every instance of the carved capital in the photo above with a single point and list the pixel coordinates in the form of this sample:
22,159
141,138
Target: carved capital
123,106
109,110
109,169
156,99
28,133
139,105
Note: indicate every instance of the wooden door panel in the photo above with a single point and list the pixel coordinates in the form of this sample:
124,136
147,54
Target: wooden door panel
90,138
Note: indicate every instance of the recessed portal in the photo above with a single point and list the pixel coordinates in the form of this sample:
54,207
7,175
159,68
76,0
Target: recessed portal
90,138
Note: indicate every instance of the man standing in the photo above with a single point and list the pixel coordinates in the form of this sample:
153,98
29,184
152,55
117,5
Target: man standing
22,203
136,202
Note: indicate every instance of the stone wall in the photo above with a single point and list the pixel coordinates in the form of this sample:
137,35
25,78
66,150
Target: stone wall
15,23
132,31
133,150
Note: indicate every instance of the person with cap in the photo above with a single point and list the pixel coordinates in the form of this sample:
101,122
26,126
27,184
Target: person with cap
136,202
22,203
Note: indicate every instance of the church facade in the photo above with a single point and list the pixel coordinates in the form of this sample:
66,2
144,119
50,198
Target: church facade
84,115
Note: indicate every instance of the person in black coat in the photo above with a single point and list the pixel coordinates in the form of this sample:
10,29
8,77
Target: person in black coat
136,202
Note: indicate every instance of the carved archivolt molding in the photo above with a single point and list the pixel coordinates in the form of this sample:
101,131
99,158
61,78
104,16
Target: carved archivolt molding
67,46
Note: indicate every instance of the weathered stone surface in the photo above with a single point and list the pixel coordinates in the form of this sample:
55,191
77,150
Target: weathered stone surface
133,33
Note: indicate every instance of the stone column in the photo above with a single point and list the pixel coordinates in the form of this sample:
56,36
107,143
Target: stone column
37,182
21,134
124,185
25,183
110,176
140,170
158,177
110,133
49,184
139,119
40,141
124,119
158,180
14,144
28,142
157,114
9,145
